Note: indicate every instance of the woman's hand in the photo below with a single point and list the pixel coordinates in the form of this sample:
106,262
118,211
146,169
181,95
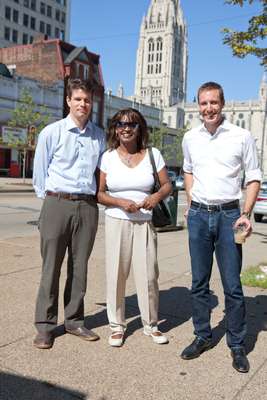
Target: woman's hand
128,205
150,201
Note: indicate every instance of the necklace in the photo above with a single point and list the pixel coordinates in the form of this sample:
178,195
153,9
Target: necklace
127,159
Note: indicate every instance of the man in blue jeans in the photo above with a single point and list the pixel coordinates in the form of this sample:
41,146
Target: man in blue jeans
215,153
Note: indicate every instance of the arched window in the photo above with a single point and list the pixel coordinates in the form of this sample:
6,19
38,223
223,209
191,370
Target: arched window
150,56
159,47
243,124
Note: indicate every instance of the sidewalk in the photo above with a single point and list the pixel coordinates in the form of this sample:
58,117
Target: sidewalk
75,369
13,185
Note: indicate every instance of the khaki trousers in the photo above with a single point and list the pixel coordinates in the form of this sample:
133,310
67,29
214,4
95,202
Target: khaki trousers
131,243
64,225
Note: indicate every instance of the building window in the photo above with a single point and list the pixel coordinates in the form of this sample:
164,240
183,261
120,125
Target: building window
42,8
33,23
15,16
57,15
15,36
57,33
26,3
62,35
25,19
42,27
33,5
24,38
7,33
16,1
241,116
48,29
243,124
49,11
31,39
63,17
8,13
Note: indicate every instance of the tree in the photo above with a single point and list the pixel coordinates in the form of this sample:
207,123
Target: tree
248,42
26,116
169,145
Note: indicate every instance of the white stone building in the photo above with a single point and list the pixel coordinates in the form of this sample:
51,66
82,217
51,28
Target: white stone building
250,114
161,65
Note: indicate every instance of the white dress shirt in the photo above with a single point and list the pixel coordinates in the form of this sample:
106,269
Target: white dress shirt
66,158
216,161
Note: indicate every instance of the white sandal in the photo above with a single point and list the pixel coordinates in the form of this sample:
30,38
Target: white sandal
156,335
116,339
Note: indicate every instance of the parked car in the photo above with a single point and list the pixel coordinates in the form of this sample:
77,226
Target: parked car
179,182
172,176
260,208
264,185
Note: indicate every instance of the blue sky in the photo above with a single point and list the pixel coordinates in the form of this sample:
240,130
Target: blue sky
110,28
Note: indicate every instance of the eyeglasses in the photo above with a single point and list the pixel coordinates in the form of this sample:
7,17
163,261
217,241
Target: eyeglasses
125,124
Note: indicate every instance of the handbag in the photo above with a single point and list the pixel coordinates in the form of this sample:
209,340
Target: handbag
161,215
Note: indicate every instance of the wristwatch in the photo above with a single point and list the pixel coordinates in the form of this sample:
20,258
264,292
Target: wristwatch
247,214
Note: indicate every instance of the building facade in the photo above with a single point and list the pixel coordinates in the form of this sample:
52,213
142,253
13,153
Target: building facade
161,65
51,60
23,20
251,115
47,98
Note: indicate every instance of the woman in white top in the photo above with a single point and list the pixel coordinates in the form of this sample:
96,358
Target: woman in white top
125,186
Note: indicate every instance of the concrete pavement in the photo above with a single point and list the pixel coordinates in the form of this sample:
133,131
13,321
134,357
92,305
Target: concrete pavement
74,369
12,185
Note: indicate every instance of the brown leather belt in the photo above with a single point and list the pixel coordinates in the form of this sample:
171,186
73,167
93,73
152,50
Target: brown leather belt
71,196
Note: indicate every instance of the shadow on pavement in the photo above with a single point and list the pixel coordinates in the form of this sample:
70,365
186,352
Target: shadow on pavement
14,387
257,319
174,310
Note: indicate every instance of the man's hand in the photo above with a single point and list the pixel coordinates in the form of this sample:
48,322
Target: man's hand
243,220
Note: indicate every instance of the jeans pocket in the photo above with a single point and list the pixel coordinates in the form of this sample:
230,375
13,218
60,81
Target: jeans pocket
233,214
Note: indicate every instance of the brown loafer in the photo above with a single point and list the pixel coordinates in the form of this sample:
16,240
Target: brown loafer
43,340
83,333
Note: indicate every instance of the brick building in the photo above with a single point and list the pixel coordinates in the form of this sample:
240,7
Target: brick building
52,60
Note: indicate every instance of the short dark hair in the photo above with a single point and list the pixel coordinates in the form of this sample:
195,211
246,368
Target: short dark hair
75,83
134,116
211,86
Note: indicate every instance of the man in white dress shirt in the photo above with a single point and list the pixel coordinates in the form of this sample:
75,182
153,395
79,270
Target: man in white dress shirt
65,163
215,153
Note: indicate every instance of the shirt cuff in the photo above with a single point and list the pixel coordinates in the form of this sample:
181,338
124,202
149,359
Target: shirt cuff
39,193
253,175
187,168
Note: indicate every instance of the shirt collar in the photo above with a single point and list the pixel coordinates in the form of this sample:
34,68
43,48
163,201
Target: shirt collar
71,126
224,126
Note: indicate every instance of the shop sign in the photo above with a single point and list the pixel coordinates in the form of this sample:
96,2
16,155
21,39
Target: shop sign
12,135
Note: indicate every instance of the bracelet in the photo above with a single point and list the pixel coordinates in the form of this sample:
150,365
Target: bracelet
246,214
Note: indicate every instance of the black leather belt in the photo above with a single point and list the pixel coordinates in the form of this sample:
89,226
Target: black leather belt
216,207
71,196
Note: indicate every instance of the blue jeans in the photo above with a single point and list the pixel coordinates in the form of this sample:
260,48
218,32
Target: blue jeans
209,232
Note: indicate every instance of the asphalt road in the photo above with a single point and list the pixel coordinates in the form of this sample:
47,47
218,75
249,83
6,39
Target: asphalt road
19,210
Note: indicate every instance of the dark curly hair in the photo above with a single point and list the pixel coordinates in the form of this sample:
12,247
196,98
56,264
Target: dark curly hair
133,115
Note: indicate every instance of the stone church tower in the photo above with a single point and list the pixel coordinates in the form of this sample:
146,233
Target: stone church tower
161,66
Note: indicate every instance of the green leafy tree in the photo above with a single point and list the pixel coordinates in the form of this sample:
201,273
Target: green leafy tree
26,116
169,145
248,42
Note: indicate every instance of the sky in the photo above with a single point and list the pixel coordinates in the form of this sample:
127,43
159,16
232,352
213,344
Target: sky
110,28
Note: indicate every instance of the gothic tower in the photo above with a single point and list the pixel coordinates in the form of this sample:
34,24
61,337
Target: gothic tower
161,65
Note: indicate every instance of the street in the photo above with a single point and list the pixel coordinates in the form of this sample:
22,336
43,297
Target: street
19,210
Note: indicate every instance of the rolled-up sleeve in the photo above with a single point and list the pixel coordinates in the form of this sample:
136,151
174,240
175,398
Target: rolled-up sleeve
250,160
187,163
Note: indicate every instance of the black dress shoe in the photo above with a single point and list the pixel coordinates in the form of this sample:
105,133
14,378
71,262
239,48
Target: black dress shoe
196,348
43,340
240,361
83,333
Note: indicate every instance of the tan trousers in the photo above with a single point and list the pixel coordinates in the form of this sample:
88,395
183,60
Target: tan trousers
131,243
